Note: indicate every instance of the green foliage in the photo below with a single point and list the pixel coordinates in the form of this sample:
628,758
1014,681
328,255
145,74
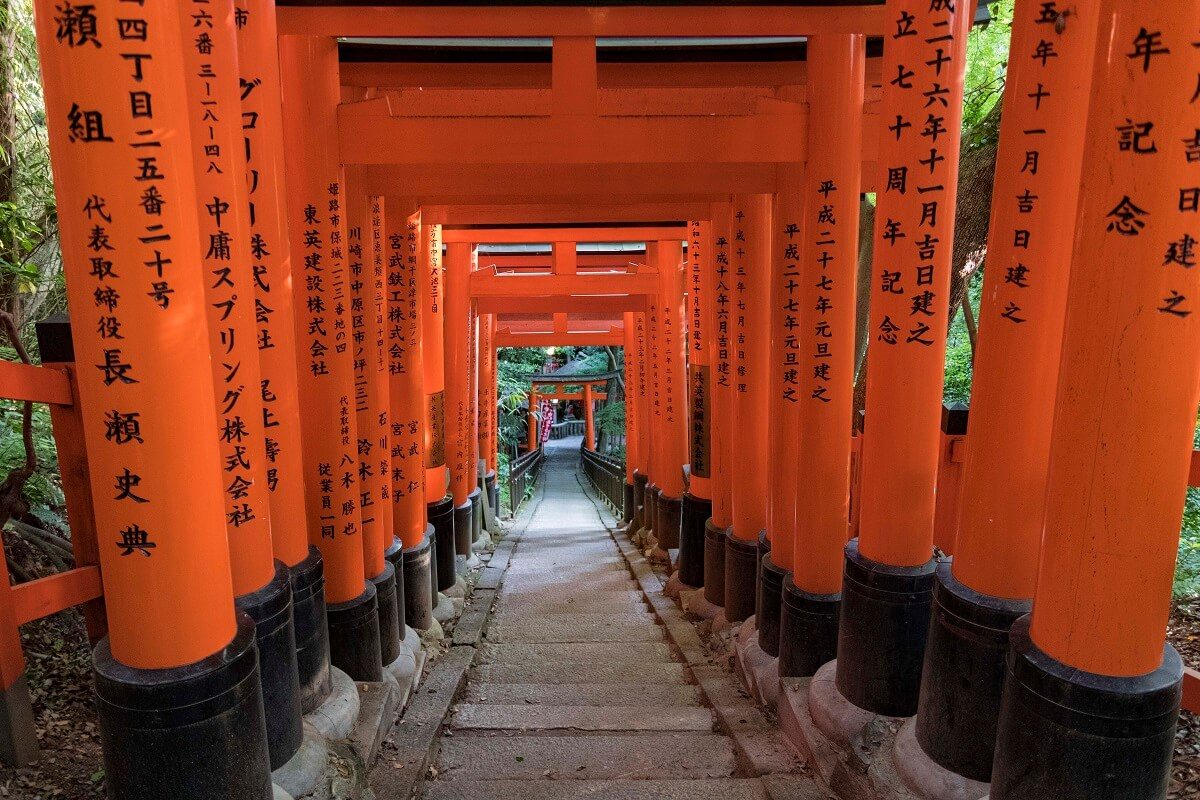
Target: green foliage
957,387
611,418
987,65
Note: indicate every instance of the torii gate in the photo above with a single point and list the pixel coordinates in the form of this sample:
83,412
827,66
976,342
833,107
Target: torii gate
366,429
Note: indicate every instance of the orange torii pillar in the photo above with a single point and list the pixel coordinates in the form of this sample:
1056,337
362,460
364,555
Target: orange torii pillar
402,248
177,677
653,406
697,501
534,439
784,378
589,420
827,215
440,504
309,76
717,284
262,134
261,584
1092,693
488,414
887,584
672,393
750,251
476,495
629,332
636,426
372,402
460,448
991,580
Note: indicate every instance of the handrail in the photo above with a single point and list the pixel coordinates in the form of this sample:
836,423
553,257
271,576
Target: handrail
607,476
566,429
522,474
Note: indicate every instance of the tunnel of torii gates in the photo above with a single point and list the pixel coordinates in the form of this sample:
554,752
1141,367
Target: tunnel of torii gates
263,214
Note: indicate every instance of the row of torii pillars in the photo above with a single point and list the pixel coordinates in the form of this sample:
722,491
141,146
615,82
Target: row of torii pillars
341,360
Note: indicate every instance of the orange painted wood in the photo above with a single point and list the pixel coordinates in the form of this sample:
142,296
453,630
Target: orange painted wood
1191,690
909,286
485,284
1023,307
456,351
718,283
46,596
828,301
524,213
159,371
1194,472
1129,376
432,275
698,361
35,384
317,229
598,339
544,21
633,233
67,425
611,304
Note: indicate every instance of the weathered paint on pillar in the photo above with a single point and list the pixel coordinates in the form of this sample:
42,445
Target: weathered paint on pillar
589,422
641,399
1024,302
632,377
699,360
672,384
214,111
654,456
432,342
718,282
309,70
920,120
368,309
750,251
270,251
1129,380
784,370
405,372
460,257
473,400
141,340
828,270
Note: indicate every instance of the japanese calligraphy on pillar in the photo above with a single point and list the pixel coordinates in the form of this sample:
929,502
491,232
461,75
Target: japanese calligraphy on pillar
723,303
918,150
698,351
786,314
127,210
827,204
214,111
270,260
403,334
435,455
742,376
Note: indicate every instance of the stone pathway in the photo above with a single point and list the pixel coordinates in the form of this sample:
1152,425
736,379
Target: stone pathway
575,692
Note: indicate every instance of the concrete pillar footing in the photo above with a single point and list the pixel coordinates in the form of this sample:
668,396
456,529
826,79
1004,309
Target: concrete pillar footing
444,611
758,670
278,793
335,718
926,778
694,602
301,774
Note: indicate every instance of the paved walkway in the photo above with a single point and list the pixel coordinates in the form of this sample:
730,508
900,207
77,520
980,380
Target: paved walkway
575,692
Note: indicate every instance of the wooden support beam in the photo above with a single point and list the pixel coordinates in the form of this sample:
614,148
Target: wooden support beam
410,20
563,235
488,284
505,338
35,384
563,214
614,304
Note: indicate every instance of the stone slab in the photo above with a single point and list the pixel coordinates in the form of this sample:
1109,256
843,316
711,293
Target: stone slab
638,756
711,789
625,671
575,652
378,704
470,627
582,718
594,694
575,629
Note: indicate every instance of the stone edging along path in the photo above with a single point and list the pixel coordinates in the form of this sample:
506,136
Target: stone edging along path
408,751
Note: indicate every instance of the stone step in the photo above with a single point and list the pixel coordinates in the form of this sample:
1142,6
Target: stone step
560,601
582,718
610,580
572,628
583,694
583,757
628,671
574,653
712,789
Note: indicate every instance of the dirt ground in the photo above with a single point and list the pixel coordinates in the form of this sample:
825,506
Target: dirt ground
59,671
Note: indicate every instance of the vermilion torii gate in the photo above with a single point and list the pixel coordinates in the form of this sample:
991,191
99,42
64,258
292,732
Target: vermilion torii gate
244,573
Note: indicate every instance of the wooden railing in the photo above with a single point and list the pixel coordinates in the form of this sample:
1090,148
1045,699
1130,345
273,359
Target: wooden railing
54,385
565,430
607,476
523,474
